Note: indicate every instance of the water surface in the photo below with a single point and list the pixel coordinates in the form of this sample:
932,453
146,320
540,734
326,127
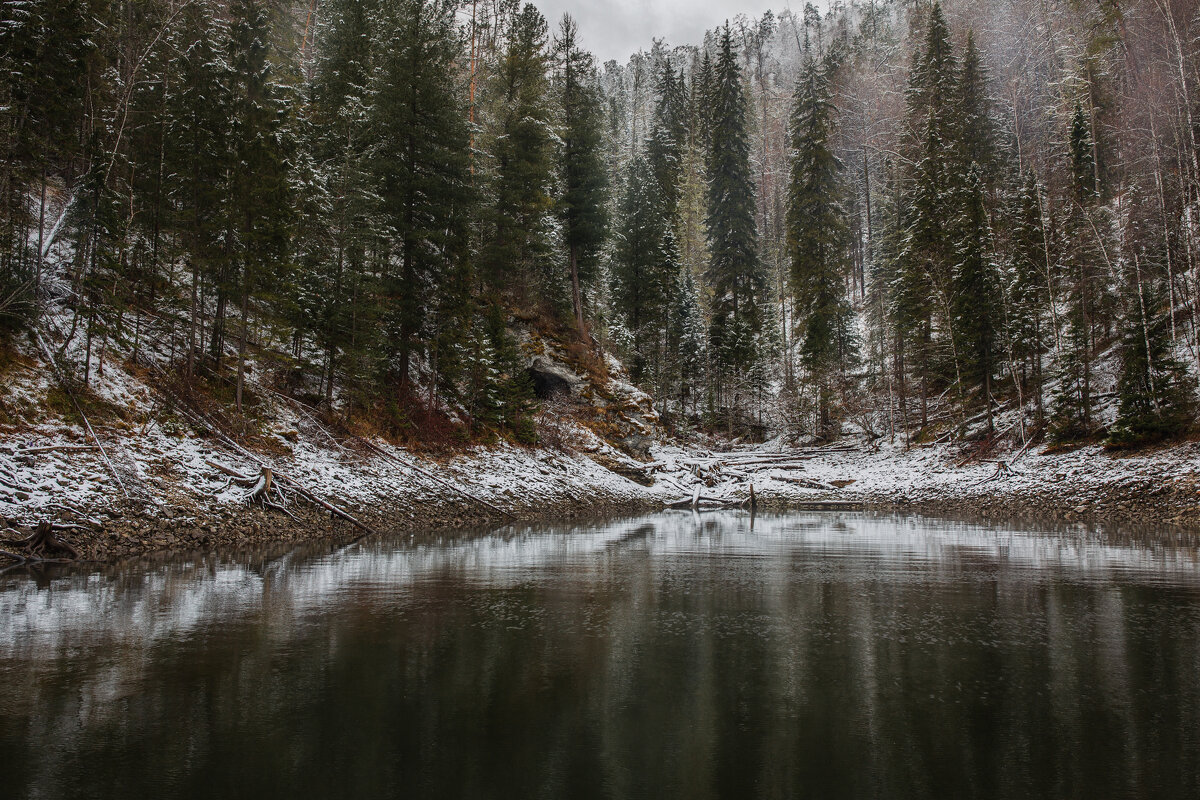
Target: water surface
802,655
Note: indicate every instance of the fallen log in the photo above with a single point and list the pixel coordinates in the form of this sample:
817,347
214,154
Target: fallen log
808,484
55,448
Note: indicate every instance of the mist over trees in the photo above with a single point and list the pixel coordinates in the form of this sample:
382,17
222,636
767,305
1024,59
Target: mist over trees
891,217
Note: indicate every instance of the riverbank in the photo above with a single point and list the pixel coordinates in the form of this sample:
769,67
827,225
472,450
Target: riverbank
151,478
1156,486
180,501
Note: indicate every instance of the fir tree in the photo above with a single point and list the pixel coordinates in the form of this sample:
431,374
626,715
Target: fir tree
735,274
583,204
420,165
644,267
978,304
818,237
259,186
519,244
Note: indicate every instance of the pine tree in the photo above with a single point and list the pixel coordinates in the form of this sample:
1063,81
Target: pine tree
583,203
1029,289
645,264
978,304
340,233
260,202
519,245
199,159
926,263
818,238
735,274
421,170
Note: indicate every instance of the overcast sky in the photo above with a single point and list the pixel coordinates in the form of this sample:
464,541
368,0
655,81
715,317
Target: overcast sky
618,28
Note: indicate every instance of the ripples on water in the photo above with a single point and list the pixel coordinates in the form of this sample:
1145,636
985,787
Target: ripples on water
825,655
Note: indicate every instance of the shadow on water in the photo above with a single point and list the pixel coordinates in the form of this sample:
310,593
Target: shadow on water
674,655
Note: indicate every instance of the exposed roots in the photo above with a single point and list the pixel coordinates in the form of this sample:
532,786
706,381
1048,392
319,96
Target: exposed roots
44,544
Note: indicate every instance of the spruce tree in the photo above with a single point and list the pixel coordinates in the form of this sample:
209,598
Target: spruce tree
519,246
1088,298
340,234
582,206
199,160
926,263
735,274
668,137
1155,392
973,117
818,238
421,171
978,303
685,342
1029,289
259,190
644,267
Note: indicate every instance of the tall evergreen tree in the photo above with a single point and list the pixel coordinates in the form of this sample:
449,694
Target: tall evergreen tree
199,159
978,303
735,274
818,238
421,168
259,187
668,137
1156,397
926,263
1088,297
644,267
1029,290
520,237
341,233
976,129
583,203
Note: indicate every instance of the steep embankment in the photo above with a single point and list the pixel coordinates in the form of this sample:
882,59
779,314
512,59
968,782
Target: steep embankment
159,477
130,465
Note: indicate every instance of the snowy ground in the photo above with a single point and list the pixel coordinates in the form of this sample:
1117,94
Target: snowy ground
155,465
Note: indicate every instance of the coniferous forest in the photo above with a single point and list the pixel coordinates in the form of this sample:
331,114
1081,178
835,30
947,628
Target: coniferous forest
883,213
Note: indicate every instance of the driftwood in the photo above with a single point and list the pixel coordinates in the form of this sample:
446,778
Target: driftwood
701,502
808,484
198,417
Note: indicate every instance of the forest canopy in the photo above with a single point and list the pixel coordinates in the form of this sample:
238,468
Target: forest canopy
899,217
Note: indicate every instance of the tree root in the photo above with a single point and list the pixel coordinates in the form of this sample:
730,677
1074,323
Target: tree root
41,544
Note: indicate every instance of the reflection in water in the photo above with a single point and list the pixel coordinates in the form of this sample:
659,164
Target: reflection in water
667,656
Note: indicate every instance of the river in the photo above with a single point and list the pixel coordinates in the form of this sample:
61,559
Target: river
668,656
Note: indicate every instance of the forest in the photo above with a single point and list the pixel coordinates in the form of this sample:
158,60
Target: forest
901,217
